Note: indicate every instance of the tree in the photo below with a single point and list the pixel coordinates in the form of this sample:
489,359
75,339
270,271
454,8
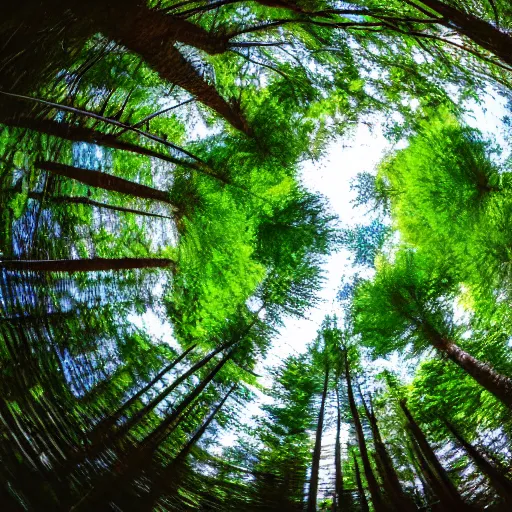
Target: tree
408,303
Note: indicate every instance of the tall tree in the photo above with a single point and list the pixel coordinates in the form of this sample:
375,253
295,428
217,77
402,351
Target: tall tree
407,303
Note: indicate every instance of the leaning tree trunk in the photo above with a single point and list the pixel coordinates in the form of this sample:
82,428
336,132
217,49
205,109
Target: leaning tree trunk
481,32
89,202
110,421
362,496
113,436
373,486
385,465
499,385
434,490
77,133
152,36
141,456
87,265
496,476
451,495
315,466
105,181
170,473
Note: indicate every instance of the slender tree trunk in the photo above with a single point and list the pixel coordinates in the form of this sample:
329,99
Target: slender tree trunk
89,202
451,494
110,421
481,32
433,487
362,496
152,35
158,399
140,457
315,466
77,133
418,472
169,474
115,435
200,432
385,465
496,476
105,181
373,486
112,436
86,265
338,473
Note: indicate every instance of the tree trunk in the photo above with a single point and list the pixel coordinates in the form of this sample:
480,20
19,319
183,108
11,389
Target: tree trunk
89,202
112,436
170,473
170,423
362,496
432,486
386,467
496,476
109,422
105,181
140,457
449,493
143,21
315,466
499,385
428,496
373,486
338,473
152,35
200,432
88,135
479,31
158,399
86,265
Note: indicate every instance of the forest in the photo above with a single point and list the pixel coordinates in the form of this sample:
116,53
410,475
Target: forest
158,239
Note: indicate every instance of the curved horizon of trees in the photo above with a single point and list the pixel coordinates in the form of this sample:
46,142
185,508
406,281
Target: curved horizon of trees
156,237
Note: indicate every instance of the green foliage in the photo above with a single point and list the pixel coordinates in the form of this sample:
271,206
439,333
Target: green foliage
405,304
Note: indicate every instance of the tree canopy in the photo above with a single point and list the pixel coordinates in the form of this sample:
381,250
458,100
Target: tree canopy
157,236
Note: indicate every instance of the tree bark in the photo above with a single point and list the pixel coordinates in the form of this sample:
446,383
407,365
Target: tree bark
496,476
77,133
385,465
152,34
362,496
373,486
315,466
144,21
499,385
105,181
479,31
448,493
89,202
87,265
338,473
